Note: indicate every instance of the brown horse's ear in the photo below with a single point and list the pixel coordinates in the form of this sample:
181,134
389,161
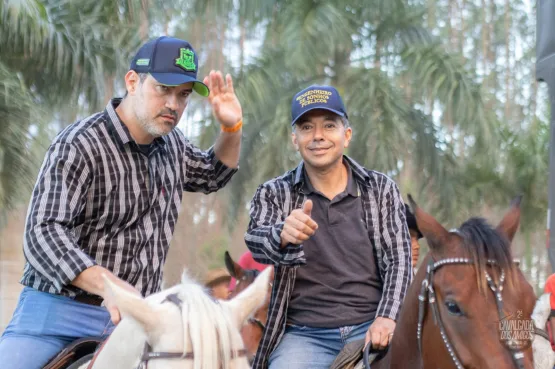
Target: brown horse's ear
436,235
510,222
232,267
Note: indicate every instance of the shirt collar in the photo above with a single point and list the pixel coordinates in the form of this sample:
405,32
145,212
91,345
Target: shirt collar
352,187
357,174
119,130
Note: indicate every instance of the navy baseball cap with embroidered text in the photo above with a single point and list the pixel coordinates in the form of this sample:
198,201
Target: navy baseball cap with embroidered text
317,97
171,61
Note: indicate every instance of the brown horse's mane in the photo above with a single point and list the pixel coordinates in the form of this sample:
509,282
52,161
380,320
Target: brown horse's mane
482,242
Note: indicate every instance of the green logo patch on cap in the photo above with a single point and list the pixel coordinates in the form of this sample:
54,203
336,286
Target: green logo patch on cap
143,62
186,60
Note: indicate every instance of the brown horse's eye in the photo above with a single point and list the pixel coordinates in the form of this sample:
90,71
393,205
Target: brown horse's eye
453,308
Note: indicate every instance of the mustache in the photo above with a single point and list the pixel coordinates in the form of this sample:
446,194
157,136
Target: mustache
173,113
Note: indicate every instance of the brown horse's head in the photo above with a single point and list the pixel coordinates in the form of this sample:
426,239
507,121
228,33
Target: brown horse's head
254,328
480,329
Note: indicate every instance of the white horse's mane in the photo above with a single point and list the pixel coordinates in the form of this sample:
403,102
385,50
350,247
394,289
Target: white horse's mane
208,327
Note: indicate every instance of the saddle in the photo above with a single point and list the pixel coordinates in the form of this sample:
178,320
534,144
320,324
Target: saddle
73,352
350,357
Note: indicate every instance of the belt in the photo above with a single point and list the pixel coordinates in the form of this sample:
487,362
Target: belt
89,299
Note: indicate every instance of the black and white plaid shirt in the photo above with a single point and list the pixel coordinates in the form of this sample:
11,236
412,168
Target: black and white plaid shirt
384,214
99,200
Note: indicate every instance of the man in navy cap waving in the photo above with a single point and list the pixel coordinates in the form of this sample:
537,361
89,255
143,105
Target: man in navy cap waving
107,198
337,235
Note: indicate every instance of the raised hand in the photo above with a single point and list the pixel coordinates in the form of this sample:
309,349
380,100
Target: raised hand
299,226
225,104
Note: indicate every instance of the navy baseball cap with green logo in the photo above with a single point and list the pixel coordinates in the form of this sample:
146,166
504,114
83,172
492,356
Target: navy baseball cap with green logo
171,61
317,97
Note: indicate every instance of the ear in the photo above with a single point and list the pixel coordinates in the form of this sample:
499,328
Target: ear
131,305
437,236
233,268
251,298
132,81
510,222
348,136
294,140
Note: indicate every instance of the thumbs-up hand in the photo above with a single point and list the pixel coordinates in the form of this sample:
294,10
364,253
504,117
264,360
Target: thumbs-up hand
307,207
299,226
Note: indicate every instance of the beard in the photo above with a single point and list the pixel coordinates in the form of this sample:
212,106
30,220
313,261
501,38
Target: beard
154,129
150,125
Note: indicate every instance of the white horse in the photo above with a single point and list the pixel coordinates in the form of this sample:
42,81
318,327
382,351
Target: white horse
544,357
181,327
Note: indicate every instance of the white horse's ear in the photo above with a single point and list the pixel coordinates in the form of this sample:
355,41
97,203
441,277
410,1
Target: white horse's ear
131,305
251,298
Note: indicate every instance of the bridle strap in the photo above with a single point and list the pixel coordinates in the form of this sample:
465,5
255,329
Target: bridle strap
257,322
540,332
91,363
179,355
427,293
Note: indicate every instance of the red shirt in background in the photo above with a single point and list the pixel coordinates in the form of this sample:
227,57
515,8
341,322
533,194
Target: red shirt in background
247,262
550,288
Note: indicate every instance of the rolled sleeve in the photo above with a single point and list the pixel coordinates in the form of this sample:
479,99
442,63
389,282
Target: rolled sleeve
59,196
203,171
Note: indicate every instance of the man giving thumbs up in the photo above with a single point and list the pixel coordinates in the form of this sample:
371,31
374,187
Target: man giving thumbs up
299,226
337,235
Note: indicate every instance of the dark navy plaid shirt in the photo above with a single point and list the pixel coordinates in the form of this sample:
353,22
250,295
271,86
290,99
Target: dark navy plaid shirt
99,200
384,214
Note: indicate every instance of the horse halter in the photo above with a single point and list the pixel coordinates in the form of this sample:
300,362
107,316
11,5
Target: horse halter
149,355
427,293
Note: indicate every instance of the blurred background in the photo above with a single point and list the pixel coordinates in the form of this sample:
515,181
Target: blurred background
441,95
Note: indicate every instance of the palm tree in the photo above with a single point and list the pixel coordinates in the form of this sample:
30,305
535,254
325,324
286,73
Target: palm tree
57,61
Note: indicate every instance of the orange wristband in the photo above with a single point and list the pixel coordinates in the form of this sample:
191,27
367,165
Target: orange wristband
235,128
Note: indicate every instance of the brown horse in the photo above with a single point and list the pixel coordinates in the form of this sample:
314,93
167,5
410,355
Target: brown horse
454,312
254,328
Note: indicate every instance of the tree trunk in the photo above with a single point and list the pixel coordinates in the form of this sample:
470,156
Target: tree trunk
242,38
485,44
450,29
144,25
508,66
431,4
378,54
462,33
533,102
108,88
492,52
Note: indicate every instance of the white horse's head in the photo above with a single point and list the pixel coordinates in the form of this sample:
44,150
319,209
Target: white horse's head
185,324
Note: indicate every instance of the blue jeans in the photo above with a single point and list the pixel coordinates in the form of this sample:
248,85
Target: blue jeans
43,324
315,348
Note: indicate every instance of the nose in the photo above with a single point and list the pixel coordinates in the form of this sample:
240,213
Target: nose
173,102
318,133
